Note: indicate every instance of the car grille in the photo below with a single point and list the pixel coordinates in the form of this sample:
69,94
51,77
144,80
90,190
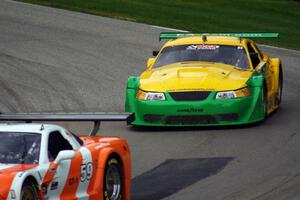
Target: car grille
189,96
190,119
194,119
153,118
229,117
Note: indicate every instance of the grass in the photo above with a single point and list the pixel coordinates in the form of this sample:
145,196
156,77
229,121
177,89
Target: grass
281,16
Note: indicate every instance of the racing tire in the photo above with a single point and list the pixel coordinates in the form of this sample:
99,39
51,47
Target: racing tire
280,85
29,191
112,183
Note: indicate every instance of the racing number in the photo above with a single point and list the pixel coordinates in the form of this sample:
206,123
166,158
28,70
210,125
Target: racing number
86,172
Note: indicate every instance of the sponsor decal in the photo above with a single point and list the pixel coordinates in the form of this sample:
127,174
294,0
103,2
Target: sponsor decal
21,174
52,171
73,180
13,194
54,186
203,47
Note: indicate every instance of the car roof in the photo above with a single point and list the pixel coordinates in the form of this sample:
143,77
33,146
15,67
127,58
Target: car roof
28,128
225,40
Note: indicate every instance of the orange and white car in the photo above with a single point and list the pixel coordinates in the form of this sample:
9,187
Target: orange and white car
46,161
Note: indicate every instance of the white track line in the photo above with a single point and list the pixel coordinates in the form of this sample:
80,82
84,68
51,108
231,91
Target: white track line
169,29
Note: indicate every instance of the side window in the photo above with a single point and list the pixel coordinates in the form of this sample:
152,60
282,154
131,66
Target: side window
77,138
259,52
253,55
57,143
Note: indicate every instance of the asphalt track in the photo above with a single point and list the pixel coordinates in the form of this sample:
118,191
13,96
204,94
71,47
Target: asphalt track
56,60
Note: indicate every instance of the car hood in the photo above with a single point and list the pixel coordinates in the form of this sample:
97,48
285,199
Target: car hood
194,76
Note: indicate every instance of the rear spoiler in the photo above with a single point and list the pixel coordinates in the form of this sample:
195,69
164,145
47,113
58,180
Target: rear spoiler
75,117
175,35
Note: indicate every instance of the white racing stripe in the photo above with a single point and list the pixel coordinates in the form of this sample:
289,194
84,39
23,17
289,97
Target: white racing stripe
60,177
16,185
86,172
37,172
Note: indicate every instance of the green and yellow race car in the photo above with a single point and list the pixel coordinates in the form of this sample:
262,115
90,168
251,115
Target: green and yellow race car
201,79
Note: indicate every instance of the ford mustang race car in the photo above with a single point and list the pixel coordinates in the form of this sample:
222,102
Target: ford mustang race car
205,79
44,161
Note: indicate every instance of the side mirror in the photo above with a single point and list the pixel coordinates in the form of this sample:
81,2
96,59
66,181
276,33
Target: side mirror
265,56
150,62
155,53
64,155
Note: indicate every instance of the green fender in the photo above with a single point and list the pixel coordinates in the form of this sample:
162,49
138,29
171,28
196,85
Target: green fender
256,85
133,84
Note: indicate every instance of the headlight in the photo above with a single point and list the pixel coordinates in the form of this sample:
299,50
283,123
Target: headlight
233,94
225,95
150,95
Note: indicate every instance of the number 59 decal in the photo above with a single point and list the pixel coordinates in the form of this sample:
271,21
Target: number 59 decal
86,172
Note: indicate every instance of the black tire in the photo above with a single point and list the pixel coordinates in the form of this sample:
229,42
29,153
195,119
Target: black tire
29,191
112,181
279,94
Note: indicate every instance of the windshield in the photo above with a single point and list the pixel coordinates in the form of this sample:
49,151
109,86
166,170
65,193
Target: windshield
19,148
232,55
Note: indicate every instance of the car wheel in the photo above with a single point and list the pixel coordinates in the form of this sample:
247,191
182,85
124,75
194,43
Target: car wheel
29,191
280,84
112,185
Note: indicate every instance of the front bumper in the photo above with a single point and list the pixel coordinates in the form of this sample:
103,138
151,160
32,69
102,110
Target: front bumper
208,112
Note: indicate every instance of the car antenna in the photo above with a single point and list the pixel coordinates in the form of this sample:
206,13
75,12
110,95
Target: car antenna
42,127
